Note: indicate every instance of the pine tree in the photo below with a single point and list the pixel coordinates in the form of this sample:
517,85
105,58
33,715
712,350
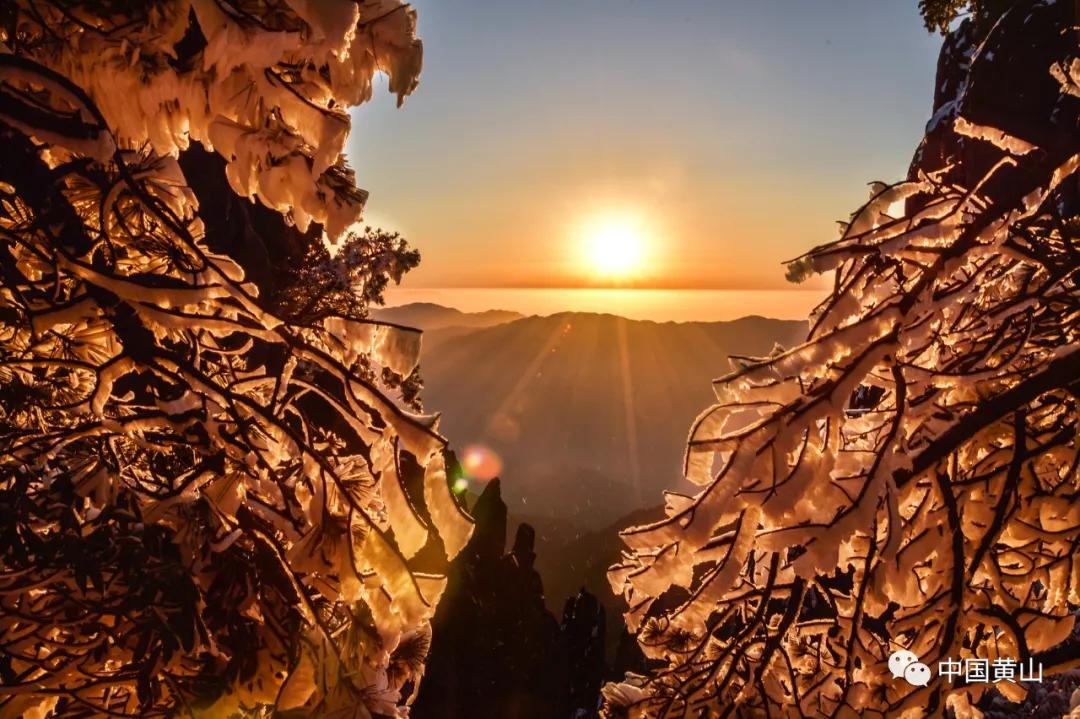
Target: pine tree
939,15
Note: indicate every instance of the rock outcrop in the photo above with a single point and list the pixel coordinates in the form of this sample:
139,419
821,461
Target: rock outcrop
496,649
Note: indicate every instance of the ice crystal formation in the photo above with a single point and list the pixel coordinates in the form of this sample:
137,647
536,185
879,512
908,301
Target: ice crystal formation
908,477
203,501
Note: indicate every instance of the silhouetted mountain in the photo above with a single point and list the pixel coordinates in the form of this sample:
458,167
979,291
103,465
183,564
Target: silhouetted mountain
428,316
496,650
588,412
570,563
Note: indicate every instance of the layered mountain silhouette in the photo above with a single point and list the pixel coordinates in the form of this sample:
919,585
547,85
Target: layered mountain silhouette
429,316
588,412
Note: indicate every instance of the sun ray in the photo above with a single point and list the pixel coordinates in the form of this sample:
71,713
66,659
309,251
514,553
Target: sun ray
629,408
502,423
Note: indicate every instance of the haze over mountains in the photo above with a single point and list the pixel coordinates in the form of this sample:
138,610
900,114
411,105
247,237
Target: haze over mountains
430,316
588,412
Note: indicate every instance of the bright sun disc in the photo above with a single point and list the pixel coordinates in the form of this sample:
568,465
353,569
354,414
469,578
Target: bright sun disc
614,247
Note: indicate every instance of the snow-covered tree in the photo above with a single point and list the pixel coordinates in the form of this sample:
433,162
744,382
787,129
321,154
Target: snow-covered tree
908,478
204,507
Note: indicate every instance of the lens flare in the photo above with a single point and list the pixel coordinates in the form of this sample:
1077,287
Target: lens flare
480,462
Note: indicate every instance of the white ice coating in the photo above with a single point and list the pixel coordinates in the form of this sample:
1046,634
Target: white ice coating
948,311
271,100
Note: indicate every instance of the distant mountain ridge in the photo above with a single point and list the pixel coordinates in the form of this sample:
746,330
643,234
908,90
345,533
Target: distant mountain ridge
588,412
430,316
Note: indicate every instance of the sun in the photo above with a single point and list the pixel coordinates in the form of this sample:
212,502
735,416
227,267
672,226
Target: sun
614,246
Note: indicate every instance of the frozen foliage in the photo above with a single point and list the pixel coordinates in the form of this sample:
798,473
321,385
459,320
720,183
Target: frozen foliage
203,510
263,82
907,478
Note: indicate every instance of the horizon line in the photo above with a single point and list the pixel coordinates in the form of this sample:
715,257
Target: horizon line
664,288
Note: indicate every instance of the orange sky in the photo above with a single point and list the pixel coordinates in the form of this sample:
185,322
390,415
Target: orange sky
735,133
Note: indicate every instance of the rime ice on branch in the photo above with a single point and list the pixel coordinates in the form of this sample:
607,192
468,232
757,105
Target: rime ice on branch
202,502
908,477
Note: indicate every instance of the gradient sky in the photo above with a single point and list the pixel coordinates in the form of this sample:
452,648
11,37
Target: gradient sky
737,132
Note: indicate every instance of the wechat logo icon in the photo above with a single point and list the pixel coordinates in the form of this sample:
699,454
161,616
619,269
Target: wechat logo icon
905,665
